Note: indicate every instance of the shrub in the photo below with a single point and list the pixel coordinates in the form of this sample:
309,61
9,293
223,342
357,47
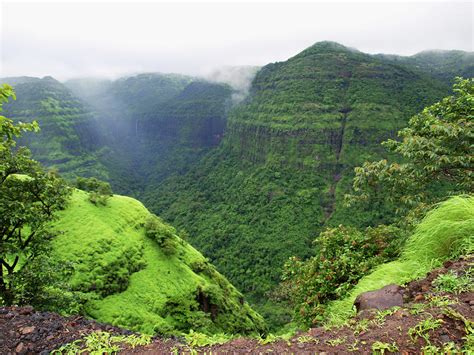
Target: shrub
161,233
99,191
343,256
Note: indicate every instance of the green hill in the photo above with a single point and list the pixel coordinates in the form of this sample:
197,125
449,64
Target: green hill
446,233
287,159
135,283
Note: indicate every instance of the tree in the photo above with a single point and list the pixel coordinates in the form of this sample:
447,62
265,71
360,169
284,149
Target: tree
436,155
29,196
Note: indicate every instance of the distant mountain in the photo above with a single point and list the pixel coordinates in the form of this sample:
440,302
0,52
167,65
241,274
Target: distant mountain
155,124
287,159
440,63
69,139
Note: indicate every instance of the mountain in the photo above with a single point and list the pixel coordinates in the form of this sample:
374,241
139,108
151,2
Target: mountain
155,124
69,139
138,282
442,64
287,157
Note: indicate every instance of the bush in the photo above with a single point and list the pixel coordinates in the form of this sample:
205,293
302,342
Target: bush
43,285
161,233
343,256
99,191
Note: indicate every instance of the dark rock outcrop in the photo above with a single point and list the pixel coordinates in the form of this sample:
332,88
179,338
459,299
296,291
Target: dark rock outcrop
387,297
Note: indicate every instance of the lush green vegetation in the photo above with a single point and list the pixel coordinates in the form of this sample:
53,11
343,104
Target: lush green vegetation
436,163
445,65
260,193
127,276
445,233
280,175
109,257
68,140
29,197
343,256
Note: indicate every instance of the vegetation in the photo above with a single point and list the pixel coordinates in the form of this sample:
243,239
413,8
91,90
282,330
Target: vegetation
279,176
254,197
453,283
344,255
98,343
380,348
29,198
435,148
99,191
126,278
69,140
445,233
423,328
436,163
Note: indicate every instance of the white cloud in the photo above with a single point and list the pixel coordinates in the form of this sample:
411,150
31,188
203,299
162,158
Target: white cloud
108,39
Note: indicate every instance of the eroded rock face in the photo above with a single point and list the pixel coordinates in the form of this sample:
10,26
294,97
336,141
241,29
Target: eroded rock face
387,297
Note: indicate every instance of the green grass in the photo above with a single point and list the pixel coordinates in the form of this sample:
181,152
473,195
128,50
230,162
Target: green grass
446,232
131,282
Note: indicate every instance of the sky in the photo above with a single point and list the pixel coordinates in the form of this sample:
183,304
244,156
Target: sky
73,39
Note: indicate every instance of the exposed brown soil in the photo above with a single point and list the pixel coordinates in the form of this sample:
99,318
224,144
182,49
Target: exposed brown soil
23,330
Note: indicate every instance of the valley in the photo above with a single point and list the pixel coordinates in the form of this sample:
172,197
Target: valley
242,177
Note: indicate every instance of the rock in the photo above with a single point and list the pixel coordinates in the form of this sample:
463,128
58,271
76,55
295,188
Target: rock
425,287
385,298
447,263
9,315
444,338
19,348
26,310
419,297
27,330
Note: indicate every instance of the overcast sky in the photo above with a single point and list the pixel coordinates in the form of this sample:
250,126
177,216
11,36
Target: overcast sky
66,39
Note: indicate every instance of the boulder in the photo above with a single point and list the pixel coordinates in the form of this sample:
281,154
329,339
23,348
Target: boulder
385,298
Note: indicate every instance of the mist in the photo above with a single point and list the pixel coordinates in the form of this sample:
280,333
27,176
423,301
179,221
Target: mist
67,40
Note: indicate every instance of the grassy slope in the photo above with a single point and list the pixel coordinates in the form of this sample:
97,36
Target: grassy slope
107,244
446,232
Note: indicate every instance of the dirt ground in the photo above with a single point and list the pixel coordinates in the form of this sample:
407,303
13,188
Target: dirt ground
25,331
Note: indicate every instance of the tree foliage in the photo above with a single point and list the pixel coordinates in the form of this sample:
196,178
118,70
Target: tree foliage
99,191
29,196
343,256
436,150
